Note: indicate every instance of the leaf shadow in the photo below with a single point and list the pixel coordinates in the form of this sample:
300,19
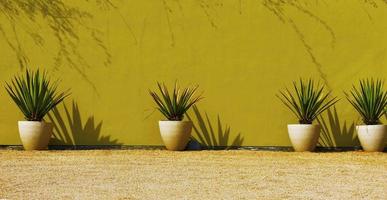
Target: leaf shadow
334,133
69,130
208,137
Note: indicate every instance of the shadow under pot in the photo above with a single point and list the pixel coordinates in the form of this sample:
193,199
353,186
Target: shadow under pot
175,134
35,135
304,137
372,137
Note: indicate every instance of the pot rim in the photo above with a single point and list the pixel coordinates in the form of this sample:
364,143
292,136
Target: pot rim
34,122
307,125
170,121
375,125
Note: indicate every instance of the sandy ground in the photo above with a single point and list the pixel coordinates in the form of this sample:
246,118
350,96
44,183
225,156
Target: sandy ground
157,174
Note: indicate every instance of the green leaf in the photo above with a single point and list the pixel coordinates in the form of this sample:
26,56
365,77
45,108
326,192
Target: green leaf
173,106
34,95
369,99
307,101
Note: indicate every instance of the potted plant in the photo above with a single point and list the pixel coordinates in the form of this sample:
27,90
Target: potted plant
307,102
35,96
370,101
175,132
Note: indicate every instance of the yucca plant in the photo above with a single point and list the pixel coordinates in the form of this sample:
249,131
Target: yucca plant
174,106
370,100
308,100
34,94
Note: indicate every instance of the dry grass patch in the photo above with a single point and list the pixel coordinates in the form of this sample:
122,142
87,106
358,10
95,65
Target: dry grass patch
156,174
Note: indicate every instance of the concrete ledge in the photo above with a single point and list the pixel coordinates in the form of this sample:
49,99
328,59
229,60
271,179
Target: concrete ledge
156,147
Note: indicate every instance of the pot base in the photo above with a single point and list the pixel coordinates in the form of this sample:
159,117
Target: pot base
175,134
304,137
35,135
372,137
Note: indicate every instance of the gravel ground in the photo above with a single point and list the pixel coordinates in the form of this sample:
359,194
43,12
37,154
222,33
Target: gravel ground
158,174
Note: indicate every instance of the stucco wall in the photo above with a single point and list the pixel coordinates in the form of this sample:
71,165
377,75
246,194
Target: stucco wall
240,52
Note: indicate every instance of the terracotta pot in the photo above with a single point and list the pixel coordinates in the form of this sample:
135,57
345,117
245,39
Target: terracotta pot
35,135
304,137
175,134
372,137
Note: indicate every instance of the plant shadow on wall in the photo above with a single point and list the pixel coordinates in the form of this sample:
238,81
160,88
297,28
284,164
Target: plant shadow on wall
69,129
206,135
333,134
42,22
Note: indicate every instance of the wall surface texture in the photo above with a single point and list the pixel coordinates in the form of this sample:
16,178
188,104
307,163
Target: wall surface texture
240,53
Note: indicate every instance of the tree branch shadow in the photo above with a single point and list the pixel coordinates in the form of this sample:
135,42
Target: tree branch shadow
206,135
70,131
64,21
333,134
278,8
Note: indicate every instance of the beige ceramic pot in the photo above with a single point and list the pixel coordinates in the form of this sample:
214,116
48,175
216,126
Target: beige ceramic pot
372,137
175,134
304,137
35,135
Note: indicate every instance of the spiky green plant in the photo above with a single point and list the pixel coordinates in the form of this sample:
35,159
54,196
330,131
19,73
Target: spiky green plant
308,100
34,94
370,100
174,106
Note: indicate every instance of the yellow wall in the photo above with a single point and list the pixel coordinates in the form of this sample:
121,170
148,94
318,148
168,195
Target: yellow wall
240,52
